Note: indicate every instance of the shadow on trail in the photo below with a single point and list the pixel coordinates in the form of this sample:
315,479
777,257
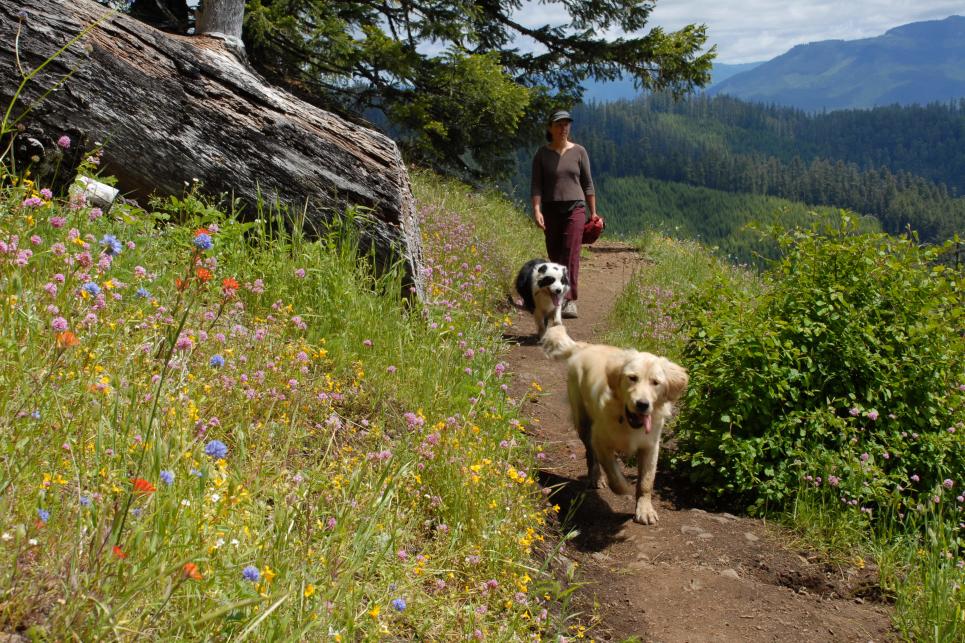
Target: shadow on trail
584,510
521,340
605,250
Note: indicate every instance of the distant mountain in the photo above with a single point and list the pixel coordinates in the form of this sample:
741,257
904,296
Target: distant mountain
921,62
612,90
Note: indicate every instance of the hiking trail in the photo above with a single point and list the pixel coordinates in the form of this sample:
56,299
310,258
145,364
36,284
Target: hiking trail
697,575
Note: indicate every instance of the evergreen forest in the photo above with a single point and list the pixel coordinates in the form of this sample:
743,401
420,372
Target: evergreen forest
903,165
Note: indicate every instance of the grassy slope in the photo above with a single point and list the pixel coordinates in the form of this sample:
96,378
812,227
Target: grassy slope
300,454
724,220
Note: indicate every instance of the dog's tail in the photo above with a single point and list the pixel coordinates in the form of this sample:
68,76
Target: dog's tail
557,343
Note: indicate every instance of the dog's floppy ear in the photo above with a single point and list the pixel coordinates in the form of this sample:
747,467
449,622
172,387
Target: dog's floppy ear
677,379
614,372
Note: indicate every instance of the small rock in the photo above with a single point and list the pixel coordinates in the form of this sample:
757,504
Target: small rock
751,537
706,535
729,516
691,529
698,511
730,573
719,519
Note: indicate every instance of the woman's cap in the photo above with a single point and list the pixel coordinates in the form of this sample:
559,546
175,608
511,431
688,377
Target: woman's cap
561,115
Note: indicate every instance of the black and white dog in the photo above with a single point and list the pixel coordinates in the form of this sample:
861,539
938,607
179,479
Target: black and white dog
543,285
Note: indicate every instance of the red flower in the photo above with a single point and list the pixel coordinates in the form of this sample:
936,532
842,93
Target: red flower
180,284
143,486
204,275
118,552
201,231
191,571
67,339
229,286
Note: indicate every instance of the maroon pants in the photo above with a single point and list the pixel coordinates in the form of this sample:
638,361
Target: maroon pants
564,235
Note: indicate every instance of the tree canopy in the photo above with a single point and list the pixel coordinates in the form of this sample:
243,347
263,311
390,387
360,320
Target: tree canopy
463,82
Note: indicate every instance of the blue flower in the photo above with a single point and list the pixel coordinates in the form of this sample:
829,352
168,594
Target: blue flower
85,500
35,415
216,449
91,288
217,361
167,477
44,515
196,473
398,604
111,245
251,573
203,242
143,292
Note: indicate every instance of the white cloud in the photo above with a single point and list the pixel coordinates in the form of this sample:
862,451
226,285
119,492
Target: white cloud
754,30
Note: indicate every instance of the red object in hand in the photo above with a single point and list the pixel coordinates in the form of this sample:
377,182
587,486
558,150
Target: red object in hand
593,229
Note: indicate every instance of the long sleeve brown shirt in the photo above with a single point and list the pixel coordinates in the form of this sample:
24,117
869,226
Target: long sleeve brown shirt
563,177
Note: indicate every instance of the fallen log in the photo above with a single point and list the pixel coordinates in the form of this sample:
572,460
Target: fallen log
169,109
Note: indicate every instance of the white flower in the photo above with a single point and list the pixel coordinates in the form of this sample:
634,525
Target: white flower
234,541
32,542
215,497
6,537
185,503
219,543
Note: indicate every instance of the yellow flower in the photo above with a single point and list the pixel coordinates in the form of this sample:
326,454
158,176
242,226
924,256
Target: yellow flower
268,574
374,612
309,590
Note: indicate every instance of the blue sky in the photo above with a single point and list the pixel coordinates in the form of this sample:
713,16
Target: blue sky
756,30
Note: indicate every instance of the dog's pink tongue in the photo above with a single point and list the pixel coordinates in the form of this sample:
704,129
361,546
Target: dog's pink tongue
556,299
647,423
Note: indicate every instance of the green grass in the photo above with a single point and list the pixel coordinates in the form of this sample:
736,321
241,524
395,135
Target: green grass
375,471
919,556
675,268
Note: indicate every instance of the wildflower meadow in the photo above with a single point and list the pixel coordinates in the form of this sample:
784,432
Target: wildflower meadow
214,428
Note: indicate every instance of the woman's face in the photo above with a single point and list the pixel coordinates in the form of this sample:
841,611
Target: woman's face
560,130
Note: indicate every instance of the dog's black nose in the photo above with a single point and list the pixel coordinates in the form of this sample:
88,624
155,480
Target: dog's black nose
643,406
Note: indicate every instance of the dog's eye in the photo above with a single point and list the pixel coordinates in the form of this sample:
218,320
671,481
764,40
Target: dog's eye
632,378
655,382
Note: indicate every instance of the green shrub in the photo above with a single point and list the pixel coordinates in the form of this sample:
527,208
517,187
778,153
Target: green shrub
846,372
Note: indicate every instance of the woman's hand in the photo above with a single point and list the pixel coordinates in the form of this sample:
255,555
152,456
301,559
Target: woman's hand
538,217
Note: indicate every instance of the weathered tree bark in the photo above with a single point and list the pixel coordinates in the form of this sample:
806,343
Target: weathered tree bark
170,109
222,17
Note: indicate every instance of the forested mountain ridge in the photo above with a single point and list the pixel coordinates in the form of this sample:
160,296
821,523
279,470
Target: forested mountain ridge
921,62
892,162
603,91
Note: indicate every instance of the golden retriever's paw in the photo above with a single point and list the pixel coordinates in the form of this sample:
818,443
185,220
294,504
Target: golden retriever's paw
598,482
645,515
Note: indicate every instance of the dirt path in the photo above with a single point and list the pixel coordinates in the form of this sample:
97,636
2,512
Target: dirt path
697,575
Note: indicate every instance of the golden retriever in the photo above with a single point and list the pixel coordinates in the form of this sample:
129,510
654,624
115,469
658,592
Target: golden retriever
620,399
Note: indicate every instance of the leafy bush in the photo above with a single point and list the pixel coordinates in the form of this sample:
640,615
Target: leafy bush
847,371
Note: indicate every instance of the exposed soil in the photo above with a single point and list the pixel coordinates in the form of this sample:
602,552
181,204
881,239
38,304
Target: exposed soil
698,575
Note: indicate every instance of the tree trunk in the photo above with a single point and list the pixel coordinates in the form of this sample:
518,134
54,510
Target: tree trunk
222,17
169,109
